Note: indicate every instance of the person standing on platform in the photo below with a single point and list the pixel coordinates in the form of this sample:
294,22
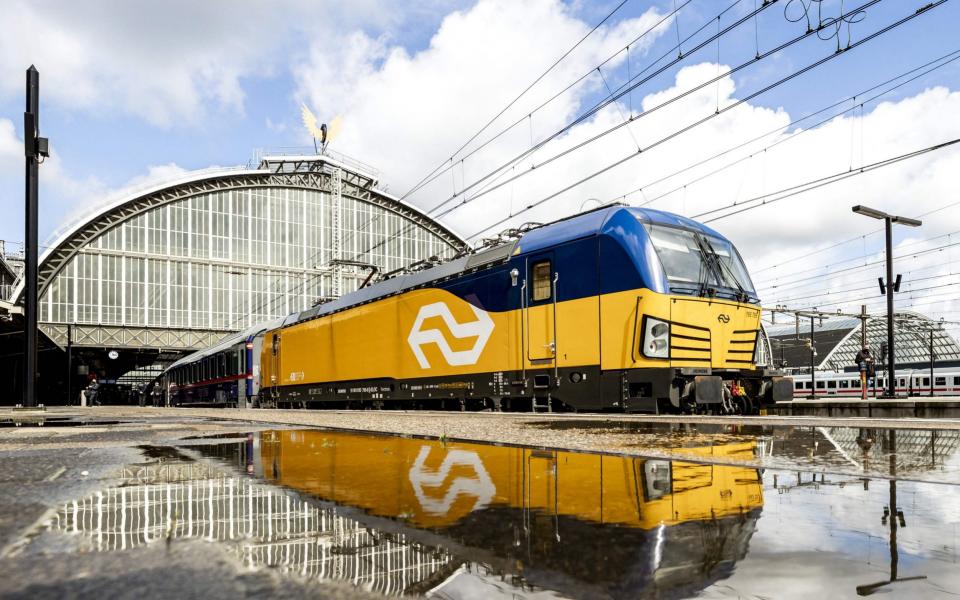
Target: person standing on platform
865,365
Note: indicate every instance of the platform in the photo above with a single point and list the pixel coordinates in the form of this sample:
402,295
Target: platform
912,407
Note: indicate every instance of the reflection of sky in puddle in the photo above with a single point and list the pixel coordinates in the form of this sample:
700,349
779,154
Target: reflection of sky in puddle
411,516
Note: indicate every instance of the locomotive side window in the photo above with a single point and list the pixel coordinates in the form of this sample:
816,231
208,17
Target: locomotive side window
956,381
541,281
940,381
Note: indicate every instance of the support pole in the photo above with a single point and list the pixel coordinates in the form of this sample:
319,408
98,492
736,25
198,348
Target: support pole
69,364
931,363
33,147
813,351
891,361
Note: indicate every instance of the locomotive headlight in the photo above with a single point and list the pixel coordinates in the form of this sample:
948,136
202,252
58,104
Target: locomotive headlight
656,338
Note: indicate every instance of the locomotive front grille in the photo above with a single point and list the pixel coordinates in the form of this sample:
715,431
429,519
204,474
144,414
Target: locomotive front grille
689,343
743,345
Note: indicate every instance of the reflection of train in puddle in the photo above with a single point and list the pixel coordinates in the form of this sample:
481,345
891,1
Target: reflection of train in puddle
587,524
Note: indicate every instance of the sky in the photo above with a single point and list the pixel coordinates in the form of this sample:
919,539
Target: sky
135,92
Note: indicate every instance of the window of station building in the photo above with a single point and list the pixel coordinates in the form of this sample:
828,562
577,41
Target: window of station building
940,381
541,281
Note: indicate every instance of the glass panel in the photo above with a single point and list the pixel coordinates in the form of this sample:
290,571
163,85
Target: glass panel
541,281
685,262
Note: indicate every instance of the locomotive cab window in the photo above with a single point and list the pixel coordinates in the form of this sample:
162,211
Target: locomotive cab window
542,284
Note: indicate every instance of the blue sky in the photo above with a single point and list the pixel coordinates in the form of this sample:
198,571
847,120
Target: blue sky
136,90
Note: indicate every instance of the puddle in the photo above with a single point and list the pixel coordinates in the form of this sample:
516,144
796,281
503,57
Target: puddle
402,516
916,454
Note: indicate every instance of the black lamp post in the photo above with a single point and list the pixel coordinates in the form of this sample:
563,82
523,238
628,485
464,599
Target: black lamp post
890,287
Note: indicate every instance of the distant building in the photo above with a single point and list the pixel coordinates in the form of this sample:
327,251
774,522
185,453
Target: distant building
838,339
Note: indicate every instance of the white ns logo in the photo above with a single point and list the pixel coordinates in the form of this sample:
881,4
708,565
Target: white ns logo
480,329
480,486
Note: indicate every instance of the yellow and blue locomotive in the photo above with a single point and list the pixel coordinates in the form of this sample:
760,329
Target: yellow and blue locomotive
618,308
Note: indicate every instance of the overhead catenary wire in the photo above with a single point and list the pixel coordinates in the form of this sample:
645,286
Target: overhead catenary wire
841,302
619,93
630,156
648,200
864,266
847,241
451,163
865,256
780,295
789,192
592,70
622,90
440,169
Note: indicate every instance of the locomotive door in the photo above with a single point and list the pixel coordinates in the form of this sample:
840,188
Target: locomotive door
541,307
275,363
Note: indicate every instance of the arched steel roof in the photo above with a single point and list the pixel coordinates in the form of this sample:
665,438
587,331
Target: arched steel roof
302,172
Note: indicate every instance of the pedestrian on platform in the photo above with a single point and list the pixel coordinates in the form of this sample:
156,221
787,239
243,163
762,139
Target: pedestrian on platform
93,395
865,365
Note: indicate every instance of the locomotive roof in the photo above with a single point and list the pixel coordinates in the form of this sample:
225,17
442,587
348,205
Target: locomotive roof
590,223
599,221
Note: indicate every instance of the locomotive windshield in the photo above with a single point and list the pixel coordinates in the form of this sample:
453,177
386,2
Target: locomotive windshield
698,263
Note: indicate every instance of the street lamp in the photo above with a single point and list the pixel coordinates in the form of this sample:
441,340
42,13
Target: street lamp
888,220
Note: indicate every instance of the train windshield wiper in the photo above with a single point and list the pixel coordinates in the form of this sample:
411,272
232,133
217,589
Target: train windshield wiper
724,267
707,268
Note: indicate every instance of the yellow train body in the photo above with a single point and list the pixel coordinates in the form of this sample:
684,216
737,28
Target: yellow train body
581,316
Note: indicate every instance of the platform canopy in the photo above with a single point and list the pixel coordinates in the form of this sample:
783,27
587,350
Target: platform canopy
838,339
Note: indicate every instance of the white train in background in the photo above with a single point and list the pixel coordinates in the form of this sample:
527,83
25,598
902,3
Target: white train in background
912,382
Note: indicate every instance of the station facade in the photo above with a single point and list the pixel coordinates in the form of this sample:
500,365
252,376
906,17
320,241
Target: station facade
173,268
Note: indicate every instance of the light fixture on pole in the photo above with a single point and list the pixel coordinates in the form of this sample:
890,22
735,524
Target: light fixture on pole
890,286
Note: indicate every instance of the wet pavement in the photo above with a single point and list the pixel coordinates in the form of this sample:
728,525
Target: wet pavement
208,508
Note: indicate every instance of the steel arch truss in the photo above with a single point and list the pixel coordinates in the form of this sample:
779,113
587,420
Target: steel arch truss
319,178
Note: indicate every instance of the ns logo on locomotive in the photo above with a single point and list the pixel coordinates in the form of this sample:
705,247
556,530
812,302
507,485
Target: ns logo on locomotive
617,308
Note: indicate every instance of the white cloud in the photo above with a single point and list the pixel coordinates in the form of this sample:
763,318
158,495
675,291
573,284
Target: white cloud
404,113
60,193
165,62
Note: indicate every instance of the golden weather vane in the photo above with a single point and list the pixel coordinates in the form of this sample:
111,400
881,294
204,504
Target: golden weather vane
324,133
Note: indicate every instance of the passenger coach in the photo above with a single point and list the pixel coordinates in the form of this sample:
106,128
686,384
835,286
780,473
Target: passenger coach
618,308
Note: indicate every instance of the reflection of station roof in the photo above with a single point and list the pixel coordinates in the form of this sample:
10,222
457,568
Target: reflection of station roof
262,524
837,340
914,449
